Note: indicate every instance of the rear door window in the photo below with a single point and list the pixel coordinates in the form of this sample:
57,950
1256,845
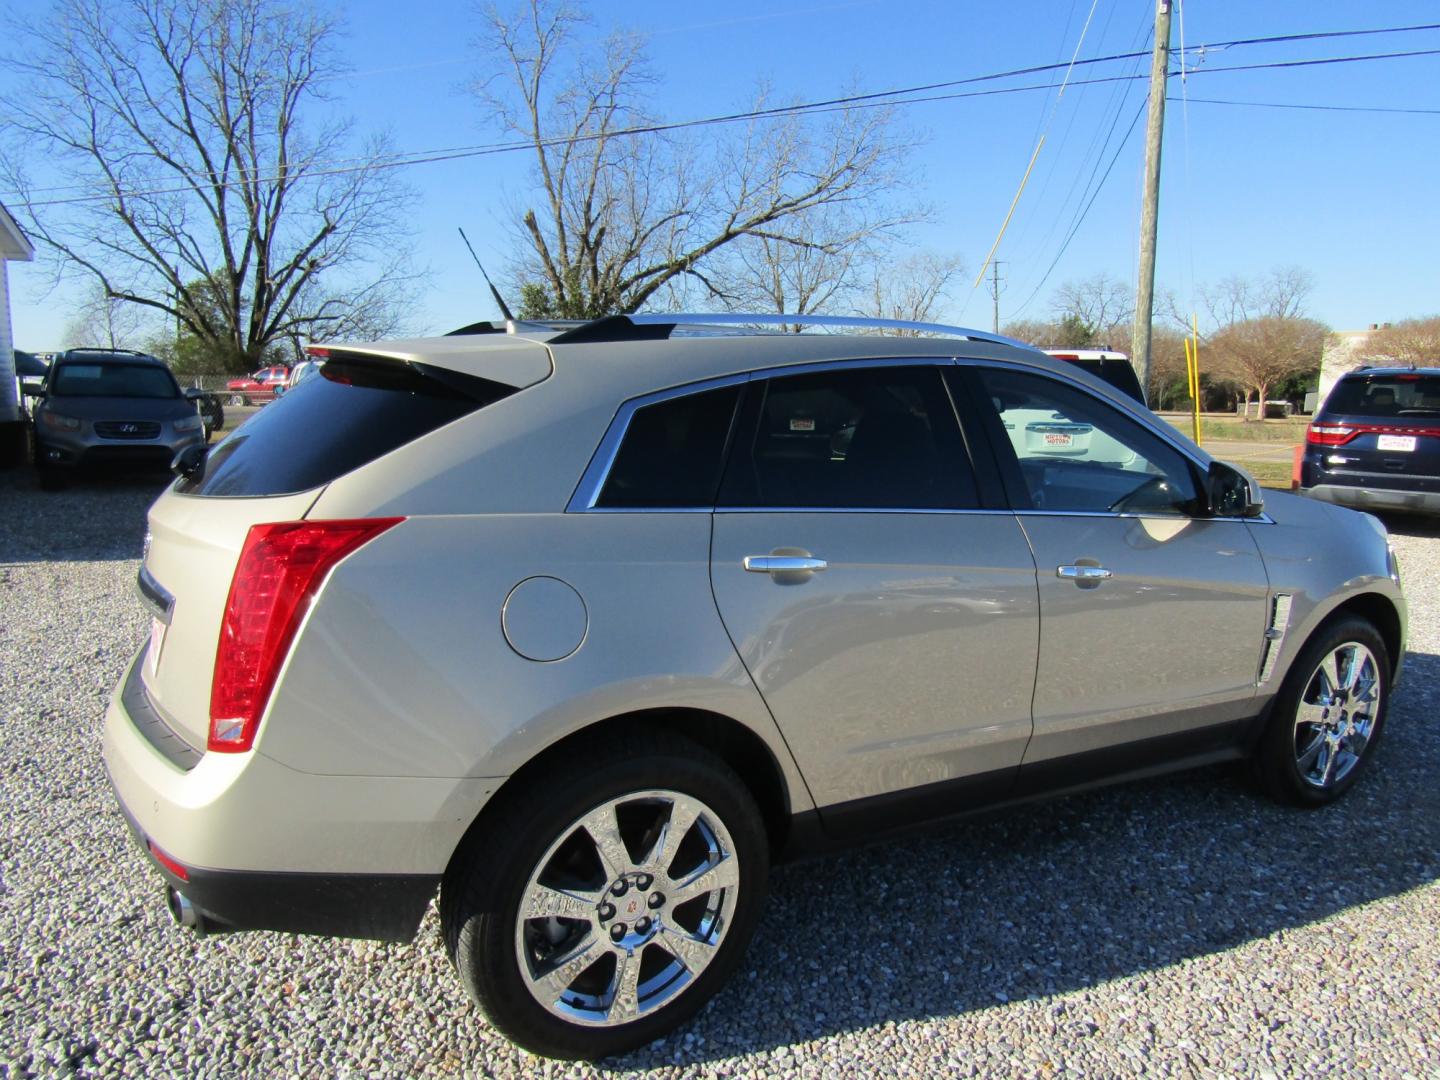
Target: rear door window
353,412
870,438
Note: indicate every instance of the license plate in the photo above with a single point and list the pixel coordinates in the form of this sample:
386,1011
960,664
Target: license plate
1396,442
157,639
1059,440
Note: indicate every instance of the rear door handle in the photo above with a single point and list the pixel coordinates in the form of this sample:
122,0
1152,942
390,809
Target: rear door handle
1083,573
782,564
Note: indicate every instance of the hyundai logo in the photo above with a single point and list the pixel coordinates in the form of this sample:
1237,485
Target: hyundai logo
129,429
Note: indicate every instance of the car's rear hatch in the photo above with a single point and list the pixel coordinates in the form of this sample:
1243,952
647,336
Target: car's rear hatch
366,402
1382,430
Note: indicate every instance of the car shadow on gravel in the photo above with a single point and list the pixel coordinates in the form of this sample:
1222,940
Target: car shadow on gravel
94,518
1071,894
1411,524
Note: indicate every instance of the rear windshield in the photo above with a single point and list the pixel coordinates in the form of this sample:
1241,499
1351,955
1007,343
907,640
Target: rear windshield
98,378
1386,395
1118,373
349,414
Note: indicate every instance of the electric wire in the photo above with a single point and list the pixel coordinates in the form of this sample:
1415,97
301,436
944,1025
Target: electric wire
879,99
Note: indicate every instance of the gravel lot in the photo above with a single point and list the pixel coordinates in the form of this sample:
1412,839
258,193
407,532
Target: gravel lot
1183,926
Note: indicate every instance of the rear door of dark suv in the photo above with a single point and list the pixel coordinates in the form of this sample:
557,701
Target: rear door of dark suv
1378,430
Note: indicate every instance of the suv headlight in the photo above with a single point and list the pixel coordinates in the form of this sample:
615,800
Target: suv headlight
60,422
188,423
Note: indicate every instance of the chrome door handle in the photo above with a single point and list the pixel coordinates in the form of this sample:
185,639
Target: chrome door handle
1083,573
782,564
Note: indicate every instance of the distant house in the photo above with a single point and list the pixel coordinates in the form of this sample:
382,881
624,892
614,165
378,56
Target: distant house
14,247
1345,351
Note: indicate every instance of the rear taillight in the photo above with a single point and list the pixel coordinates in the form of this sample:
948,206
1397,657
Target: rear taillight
281,568
1330,434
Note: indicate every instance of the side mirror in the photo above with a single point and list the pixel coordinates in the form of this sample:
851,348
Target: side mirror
1233,492
194,393
189,461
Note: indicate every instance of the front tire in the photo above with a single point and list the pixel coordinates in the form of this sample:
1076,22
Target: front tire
1328,716
603,903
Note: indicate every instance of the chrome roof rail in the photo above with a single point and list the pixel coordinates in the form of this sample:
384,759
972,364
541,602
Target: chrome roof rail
638,327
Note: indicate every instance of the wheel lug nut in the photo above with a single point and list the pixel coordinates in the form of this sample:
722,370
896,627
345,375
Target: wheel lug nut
643,926
656,899
643,881
607,912
617,931
619,888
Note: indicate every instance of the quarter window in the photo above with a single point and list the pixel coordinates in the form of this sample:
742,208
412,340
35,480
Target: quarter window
672,453
871,438
1076,453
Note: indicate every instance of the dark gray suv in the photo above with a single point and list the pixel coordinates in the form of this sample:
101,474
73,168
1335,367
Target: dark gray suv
110,407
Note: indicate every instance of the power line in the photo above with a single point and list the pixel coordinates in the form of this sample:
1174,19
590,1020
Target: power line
878,99
1085,212
1318,108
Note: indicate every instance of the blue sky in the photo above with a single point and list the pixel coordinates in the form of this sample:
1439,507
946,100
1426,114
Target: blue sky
1349,196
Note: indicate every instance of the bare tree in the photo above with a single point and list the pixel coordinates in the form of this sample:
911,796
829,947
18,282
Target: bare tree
1104,304
1413,341
104,322
1038,332
183,126
910,289
1281,294
1258,353
622,213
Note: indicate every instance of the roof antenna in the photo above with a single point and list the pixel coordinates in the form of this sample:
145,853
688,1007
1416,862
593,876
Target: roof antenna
504,310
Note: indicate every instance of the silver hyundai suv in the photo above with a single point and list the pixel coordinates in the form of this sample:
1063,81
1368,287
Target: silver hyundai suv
586,626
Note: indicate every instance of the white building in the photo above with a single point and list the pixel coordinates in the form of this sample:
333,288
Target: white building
14,247
1345,350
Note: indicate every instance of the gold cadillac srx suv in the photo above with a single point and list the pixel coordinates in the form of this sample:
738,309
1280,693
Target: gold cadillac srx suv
584,626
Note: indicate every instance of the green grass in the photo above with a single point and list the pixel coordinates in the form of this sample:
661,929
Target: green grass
1287,431
1271,474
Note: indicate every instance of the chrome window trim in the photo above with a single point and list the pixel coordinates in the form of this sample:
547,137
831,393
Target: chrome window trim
857,510
592,481
1263,520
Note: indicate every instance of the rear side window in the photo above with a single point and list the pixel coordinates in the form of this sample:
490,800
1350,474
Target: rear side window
672,453
873,438
351,413
1386,396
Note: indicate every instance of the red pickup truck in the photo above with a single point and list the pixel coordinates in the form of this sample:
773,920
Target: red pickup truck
258,386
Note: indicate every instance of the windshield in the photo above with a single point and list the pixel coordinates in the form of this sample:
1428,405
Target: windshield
1405,394
115,380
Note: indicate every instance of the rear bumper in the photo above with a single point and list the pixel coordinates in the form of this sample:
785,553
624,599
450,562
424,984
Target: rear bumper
1374,498
267,847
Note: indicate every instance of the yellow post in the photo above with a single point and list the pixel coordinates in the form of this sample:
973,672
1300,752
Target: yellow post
1194,352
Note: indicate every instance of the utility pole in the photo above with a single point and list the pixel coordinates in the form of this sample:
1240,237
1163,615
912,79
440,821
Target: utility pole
995,291
1150,208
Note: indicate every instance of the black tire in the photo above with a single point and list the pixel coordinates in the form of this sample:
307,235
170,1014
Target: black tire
526,832
1278,759
212,415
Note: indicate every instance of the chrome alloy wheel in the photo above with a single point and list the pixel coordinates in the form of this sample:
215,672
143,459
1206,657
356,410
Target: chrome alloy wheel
1336,715
627,908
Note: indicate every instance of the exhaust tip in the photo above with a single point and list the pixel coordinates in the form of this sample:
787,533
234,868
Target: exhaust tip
183,912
